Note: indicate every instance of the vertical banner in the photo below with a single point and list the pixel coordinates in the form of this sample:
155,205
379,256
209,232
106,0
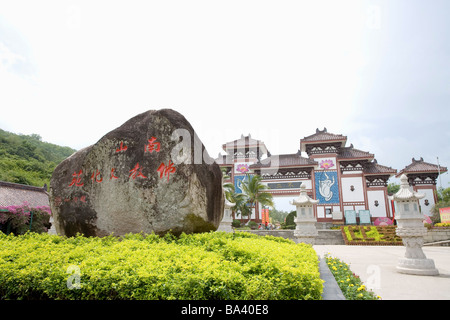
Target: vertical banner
445,214
265,216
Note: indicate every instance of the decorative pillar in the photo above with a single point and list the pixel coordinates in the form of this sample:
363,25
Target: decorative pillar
225,224
305,223
411,229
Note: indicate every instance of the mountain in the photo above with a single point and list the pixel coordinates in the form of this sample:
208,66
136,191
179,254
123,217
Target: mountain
26,159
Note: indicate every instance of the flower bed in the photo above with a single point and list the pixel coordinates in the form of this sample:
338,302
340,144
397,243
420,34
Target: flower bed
213,265
371,235
23,218
350,284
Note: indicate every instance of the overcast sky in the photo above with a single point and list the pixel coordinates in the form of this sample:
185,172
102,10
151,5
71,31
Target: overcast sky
377,72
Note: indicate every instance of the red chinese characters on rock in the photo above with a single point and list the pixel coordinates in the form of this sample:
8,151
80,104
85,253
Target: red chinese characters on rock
76,179
136,172
96,177
166,170
152,145
113,176
122,147
58,200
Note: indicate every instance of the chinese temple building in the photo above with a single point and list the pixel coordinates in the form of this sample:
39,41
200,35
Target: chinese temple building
422,177
341,177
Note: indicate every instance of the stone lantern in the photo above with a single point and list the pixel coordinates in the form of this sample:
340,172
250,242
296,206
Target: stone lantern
225,224
411,229
305,223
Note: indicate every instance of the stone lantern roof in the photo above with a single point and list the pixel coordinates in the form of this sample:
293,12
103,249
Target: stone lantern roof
405,193
304,199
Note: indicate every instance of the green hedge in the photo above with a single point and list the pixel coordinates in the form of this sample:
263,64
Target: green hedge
213,265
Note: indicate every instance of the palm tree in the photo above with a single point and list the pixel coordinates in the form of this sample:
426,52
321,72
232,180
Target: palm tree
239,199
254,190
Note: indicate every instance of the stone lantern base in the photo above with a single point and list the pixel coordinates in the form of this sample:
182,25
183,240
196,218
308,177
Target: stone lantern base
225,226
415,261
307,240
421,267
305,232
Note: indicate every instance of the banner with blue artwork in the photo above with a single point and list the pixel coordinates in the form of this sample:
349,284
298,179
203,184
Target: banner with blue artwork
238,182
327,188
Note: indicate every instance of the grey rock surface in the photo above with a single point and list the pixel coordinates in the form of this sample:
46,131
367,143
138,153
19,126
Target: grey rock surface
141,177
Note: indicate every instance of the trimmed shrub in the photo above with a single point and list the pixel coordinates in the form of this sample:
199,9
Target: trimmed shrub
236,223
214,265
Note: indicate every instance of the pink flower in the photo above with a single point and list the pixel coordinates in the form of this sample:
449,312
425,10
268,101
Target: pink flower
242,168
326,164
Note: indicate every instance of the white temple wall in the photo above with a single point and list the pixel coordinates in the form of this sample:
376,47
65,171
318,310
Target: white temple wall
378,195
429,195
320,212
352,196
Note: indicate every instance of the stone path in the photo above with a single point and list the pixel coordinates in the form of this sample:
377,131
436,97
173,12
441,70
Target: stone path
376,266
331,290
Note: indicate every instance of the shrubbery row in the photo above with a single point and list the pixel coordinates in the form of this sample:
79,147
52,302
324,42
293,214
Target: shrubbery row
212,265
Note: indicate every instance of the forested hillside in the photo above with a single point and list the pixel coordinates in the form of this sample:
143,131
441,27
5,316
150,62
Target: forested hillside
26,159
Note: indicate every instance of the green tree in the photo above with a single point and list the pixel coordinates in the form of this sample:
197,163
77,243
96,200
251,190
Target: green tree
255,192
239,199
278,215
393,188
26,159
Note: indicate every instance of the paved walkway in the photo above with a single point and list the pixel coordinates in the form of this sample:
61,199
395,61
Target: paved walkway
376,266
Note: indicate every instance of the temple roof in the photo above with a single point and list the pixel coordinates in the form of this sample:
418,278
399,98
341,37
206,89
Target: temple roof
420,166
224,159
352,153
245,142
285,160
373,168
322,136
13,194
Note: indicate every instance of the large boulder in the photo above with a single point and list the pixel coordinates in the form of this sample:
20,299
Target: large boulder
150,174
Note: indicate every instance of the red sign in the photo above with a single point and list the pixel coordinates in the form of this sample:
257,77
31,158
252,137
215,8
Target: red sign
445,214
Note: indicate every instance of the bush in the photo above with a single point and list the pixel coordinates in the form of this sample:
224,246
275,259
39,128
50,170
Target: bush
252,224
442,225
289,222
236,223
214,265
18,219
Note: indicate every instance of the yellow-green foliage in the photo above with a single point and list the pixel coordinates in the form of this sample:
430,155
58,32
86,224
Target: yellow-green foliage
442,224
351,285
212,265
372,233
